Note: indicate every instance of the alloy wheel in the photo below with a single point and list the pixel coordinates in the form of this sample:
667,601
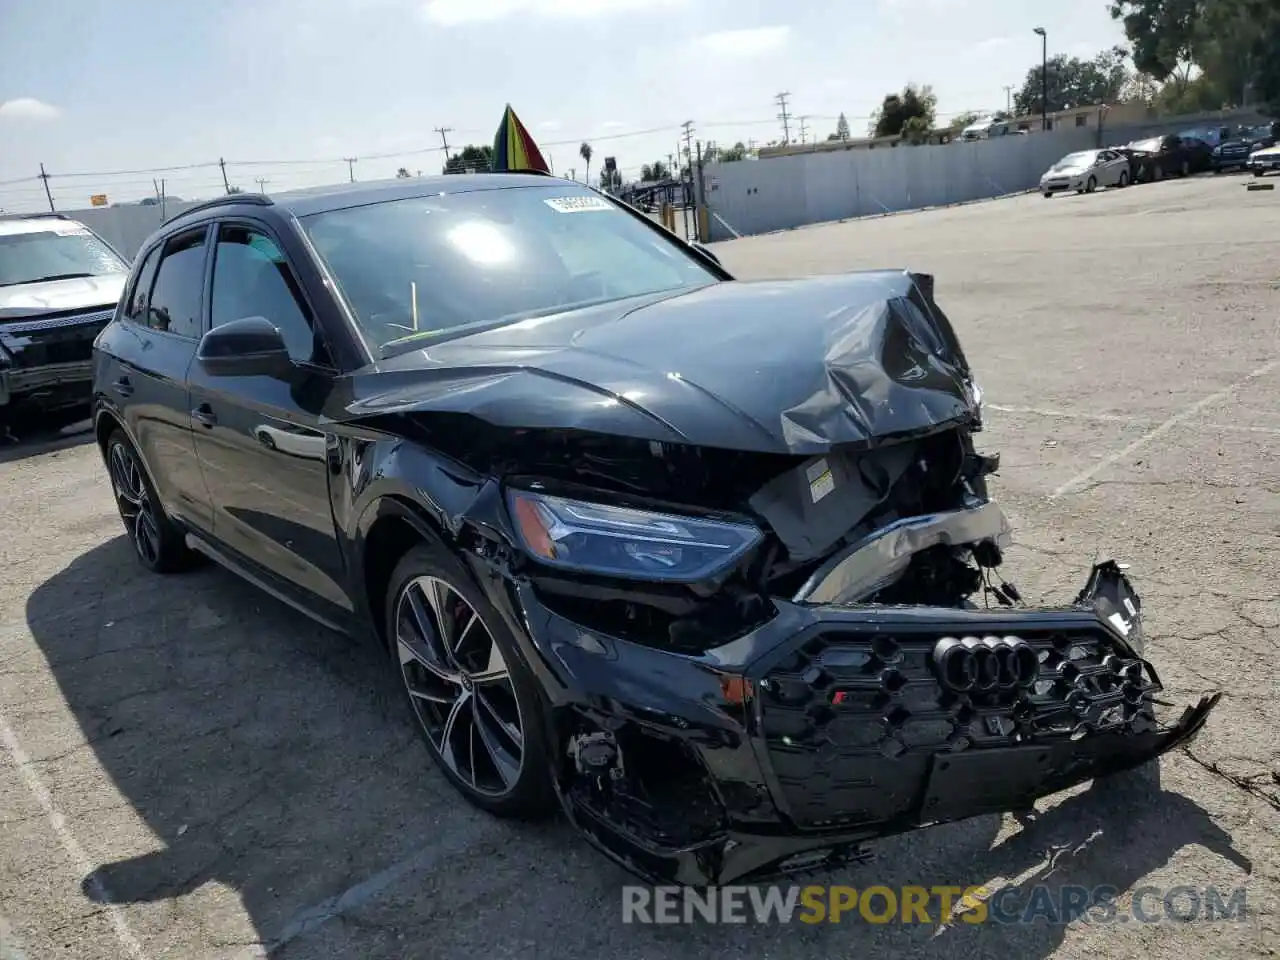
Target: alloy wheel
460,687
134,502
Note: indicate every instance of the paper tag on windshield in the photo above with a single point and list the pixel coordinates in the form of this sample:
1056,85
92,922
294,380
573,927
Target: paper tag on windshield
577,204
821,482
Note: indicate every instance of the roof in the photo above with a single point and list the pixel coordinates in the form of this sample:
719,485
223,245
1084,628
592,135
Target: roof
38,223
311,200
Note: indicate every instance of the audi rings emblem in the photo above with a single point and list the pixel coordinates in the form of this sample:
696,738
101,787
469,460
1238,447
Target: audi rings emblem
984,665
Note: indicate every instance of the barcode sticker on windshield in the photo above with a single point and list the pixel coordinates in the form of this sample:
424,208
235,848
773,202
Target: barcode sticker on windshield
577,204
821,482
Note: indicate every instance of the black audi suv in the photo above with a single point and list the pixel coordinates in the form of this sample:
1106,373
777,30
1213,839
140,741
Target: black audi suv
709,564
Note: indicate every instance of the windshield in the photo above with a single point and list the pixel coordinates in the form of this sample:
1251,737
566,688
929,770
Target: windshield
420,268
59,252
1083,159
1256,133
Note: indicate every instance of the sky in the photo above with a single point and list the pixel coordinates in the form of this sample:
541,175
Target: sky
106,94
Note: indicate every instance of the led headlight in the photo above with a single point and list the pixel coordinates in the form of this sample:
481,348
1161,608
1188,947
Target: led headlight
621,542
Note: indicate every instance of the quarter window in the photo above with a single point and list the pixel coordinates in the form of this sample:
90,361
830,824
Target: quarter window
251,278
175,299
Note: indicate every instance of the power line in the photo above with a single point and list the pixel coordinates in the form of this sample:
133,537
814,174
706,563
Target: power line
262,183
351,168
781,100
444,140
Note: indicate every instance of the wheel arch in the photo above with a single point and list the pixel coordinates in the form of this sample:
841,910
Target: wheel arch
393,527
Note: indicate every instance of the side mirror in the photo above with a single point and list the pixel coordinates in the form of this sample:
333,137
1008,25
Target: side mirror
706,252
249,347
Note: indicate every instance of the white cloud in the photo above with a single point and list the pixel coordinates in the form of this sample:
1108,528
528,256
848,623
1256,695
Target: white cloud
612,125
450,13
28,108
750,42
549,125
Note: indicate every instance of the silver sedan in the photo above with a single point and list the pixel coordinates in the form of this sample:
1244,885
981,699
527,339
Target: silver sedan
1085,171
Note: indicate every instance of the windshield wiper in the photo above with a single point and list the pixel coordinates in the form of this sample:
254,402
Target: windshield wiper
47,279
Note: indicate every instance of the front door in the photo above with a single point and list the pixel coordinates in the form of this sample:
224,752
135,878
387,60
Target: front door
149,355
265,460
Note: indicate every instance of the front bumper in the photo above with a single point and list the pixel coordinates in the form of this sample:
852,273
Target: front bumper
1062,184
833,724
1230,161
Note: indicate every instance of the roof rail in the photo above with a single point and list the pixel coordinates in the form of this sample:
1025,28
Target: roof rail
40,216
254,199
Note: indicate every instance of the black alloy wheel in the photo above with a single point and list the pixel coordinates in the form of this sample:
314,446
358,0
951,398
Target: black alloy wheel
475,704
1124,179
1091,186
157,542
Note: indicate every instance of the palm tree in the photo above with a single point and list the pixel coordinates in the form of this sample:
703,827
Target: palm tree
585,152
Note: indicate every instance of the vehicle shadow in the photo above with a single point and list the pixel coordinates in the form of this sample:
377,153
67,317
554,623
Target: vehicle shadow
30,436
277,759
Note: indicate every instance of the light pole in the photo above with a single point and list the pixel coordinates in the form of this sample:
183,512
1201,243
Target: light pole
1044,78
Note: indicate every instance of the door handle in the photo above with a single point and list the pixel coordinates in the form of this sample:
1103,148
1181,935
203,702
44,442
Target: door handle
205,415
123,387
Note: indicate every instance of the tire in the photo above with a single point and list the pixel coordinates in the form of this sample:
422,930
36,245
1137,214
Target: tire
1091,186
1124,179
1257,173
481,694
1049,196
158,542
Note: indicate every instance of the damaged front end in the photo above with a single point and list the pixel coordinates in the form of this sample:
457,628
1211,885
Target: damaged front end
755,658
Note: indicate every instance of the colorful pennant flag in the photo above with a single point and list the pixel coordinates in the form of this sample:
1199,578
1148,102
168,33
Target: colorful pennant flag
513,148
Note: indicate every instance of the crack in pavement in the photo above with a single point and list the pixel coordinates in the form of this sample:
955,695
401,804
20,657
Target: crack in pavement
1247,784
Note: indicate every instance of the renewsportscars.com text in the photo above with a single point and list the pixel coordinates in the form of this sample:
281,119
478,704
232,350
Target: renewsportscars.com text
929,905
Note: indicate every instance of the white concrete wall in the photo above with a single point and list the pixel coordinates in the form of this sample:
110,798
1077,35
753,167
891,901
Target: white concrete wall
756,196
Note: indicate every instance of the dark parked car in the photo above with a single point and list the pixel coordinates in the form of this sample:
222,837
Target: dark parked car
1233,152
59,283
1171,155
694,558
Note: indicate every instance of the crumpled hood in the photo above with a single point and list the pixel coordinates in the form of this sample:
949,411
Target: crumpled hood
790,366
29,299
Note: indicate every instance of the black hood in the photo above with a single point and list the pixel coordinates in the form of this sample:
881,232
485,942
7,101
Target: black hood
791,366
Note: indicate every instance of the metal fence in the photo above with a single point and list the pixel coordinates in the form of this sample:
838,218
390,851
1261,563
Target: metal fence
780,193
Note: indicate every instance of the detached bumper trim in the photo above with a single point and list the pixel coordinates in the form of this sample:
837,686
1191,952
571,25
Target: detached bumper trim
881,557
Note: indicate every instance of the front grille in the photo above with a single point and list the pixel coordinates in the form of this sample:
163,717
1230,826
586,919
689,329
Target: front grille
851,722
41,341
37,324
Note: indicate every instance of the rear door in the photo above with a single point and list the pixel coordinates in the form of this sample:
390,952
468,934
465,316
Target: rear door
149,353
265,459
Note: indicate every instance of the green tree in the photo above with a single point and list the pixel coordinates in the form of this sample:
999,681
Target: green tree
842,127
1072,82
653,172
913,103
403,173
1211,52
476,158
966,119
585,152
732,154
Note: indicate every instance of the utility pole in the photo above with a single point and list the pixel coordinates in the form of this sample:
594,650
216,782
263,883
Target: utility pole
226,184
351,167
45,177
1044,77
262,183
444,140
803,129
781,100
1008,100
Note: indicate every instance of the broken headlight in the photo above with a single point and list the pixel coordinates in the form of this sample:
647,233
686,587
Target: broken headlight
622,542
